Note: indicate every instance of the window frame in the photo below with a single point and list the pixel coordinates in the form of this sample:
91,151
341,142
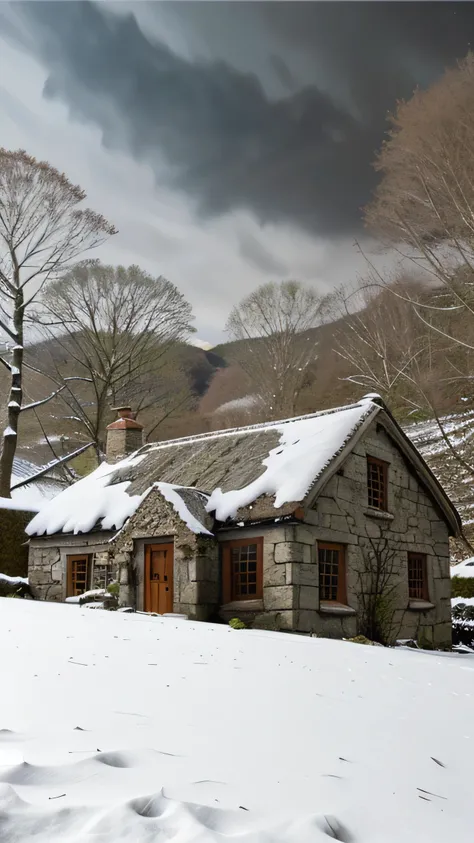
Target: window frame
425,597
227,583
370,460
70,559
341,574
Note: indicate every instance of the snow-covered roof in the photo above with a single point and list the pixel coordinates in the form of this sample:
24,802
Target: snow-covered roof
31,496
277,463
234,466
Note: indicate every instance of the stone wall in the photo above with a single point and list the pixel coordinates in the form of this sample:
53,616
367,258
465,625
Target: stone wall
47,563
196,566
414,524
341,515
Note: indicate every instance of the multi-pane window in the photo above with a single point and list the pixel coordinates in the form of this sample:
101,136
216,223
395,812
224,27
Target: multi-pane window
78,574
417,576
243,562
242,570
102,576
377,476
332,573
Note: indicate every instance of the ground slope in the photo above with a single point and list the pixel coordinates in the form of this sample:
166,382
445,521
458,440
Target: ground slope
119,727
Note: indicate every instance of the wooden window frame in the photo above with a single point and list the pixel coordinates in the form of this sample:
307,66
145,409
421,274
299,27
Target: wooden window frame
77,557
341,575
226,548
411,556
383,505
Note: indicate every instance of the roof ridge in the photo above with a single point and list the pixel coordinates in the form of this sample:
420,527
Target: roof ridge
231,431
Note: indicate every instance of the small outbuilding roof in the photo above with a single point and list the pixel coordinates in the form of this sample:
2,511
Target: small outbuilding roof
279,462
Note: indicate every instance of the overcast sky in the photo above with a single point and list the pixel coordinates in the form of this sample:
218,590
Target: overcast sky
230,143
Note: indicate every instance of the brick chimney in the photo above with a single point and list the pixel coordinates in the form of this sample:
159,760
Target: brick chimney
124,436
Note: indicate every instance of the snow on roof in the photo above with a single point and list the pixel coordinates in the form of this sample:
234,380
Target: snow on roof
92,501
181,500
306,447
32,496
281,459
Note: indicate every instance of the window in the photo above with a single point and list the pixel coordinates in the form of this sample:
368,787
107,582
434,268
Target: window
332,573
78,574
242,570
102,576
377,476
417,577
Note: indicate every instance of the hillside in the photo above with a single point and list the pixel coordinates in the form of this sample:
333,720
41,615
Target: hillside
211,390
457,479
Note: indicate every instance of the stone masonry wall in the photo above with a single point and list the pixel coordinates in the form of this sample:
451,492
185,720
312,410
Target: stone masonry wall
341,515
47,563
196,567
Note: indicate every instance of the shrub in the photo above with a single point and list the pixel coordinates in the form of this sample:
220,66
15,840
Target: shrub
361,639
236,623
462,587
463,624
13,547
114,588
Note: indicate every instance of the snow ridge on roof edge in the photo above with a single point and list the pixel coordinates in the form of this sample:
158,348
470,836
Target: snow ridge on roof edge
233,431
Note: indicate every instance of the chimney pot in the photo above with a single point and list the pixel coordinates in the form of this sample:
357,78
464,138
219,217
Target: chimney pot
124,412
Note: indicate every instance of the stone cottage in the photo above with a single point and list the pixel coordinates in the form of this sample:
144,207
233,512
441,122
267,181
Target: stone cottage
330,523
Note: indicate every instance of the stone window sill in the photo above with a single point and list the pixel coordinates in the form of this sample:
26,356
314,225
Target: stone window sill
420,605
379,513
243,606
335,609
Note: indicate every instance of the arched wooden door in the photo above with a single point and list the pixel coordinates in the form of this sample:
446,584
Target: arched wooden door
158,578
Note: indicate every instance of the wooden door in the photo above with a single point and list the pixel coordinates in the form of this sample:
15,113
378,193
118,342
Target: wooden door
159,578
78,574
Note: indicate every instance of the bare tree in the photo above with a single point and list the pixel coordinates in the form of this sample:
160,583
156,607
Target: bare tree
424,205
273,324
424,208
42,230
382,341
115,330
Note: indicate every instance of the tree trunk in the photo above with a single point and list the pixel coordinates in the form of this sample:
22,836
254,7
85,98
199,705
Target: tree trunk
10,435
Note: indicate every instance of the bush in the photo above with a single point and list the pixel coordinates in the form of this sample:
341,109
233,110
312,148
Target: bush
361,639
236,623
13,547
463,624
114,588
462,587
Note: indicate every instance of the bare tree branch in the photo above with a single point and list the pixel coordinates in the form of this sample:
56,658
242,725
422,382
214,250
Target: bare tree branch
273,323
42,231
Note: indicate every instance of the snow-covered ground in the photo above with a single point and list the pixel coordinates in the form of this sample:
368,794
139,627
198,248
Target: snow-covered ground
121,727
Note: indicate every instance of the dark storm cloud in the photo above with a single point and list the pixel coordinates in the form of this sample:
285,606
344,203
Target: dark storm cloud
258,256
304,158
